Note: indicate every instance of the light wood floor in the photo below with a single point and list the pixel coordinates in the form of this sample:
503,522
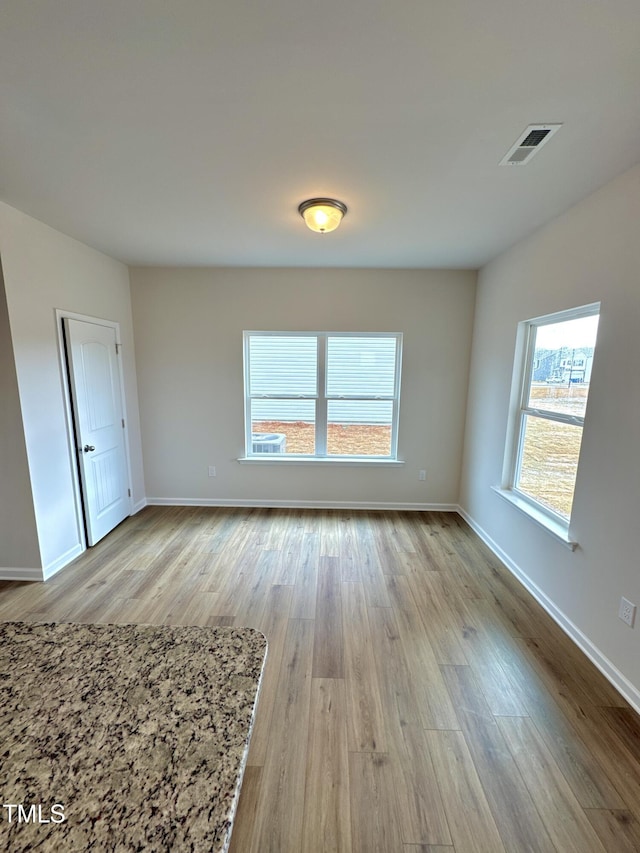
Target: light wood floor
415,698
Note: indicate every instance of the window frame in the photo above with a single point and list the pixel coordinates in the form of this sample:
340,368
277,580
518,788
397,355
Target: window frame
321,400
520,409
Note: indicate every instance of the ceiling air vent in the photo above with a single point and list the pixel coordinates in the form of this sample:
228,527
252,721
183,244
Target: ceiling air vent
528,143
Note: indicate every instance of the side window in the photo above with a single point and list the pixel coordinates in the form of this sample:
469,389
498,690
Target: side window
553,389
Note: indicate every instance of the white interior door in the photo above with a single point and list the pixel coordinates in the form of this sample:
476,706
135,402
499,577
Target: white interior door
96,395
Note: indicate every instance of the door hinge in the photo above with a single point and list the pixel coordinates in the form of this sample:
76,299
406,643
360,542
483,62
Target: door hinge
122,423
118,346
129,492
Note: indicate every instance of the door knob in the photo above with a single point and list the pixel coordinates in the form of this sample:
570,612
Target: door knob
88,447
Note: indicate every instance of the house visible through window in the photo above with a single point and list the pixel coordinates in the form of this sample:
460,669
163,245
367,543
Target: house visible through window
558,352
322,394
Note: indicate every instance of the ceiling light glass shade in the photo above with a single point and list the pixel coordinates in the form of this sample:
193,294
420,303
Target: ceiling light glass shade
322,214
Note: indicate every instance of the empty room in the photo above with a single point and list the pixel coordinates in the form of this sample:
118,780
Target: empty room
319,424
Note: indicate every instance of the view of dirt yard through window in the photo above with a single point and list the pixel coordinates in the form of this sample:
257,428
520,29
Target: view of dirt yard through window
342,439
550,450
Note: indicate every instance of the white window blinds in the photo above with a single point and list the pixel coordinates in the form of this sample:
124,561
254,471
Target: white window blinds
322,394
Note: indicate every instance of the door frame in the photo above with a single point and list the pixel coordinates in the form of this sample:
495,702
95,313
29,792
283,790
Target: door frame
62,314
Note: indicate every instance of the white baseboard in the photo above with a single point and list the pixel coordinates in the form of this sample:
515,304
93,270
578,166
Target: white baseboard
9,574
622,684
296,504
138,506
62,561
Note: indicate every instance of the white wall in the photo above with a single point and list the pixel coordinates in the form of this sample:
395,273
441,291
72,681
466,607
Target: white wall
188,329
44,270
591,253
19,548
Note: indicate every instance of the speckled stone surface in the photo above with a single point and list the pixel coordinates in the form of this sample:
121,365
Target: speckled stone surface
140,732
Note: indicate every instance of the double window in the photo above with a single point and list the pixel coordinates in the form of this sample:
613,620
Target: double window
322,394
551,390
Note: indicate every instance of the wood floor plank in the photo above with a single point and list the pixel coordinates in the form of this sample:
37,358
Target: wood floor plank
437,541
328,651
199,609
396,527
329,534
372,575
618,830
375,827
431,694
522,615
124,611
249,797
349,557
614,737
434,602
152,608
492,572
275,522
279,815
400,703
419,529
17,600
273,622
469,817
388,556
514,812
327,821
303,605
501,692
258,581
365,722
582,671
626,724
428,848
617,753
580,706
243,576
420,807
219,569
220,525
564,819
289,549
587,777
394,531
550,670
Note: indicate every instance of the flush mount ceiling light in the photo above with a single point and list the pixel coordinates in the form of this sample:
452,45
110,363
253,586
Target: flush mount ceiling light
322,214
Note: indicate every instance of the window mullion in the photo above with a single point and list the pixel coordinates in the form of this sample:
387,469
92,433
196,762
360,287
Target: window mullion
321,399
558,417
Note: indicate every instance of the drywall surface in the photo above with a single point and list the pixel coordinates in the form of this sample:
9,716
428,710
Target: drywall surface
188,326
591,253
18,534
44,271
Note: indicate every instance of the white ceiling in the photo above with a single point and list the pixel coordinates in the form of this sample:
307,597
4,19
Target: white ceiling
188,132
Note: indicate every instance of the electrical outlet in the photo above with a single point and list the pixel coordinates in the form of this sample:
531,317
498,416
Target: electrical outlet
212,470
627,612
422,475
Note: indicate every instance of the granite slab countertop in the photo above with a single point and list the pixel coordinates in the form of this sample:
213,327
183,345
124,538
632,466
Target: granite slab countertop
124,737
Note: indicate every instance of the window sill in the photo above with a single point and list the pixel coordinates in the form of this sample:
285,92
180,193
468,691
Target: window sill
310,460
558,530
